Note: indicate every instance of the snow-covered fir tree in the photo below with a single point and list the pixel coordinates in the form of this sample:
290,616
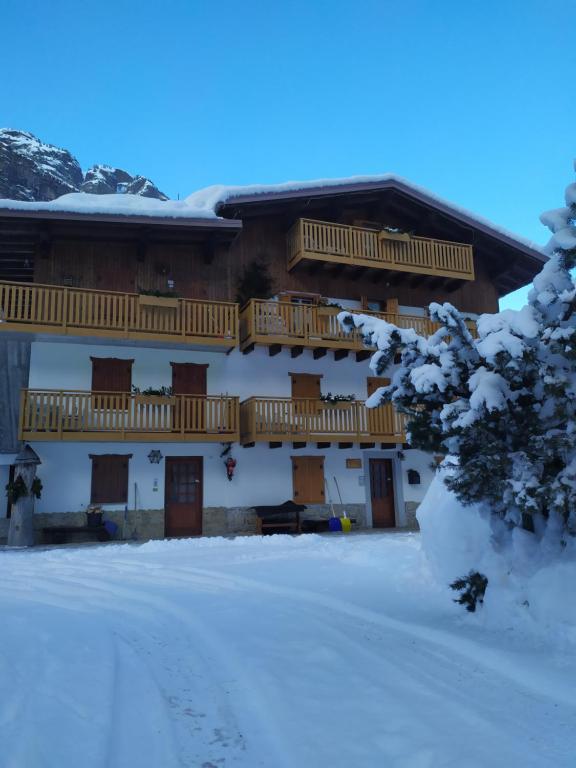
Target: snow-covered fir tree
500,403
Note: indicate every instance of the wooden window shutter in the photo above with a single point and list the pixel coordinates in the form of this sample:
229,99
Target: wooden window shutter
375,382
306,385
109,478
111,374
308,479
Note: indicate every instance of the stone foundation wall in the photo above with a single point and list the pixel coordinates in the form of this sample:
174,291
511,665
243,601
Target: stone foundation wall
234,521
145,524
410,508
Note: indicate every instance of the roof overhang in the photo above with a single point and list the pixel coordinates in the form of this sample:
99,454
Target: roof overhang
521,261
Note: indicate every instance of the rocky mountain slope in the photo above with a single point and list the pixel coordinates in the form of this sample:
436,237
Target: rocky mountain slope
32,170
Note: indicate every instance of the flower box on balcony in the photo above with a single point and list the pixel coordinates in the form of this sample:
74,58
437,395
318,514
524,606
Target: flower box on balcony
162,302
401,236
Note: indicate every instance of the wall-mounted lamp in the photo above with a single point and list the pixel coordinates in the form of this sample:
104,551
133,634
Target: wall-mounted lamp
155,457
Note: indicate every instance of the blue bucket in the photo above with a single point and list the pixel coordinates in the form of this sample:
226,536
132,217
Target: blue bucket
334,524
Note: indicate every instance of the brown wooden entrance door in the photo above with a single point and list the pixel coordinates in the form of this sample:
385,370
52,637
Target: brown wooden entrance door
183,496
189,379
382,493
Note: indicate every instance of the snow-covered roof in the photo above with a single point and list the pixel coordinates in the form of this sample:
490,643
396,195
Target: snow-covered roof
113,205
214,197
207,204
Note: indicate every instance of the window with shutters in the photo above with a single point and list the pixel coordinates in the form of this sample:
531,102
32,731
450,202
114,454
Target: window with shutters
306,388
109,478
308,479
111,374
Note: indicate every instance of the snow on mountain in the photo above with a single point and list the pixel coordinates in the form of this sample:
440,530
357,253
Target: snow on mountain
34,171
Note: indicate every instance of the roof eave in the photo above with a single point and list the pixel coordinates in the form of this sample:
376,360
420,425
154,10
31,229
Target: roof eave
381,186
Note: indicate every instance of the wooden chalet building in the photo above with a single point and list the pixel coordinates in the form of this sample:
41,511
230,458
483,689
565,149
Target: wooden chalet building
133,373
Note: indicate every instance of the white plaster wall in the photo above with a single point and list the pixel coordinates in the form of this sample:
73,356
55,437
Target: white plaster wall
262,475
67,366
421,462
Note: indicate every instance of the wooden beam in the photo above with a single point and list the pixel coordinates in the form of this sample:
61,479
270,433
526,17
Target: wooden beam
297,445
248,445
274,445
367,445
319,352
323,445
357,273
363,355
248,349
296,351
344,446
337,270
274,349
340,354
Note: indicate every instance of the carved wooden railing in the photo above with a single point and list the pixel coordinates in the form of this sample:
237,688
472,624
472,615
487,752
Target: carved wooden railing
323,241
80,415
56,309
285,419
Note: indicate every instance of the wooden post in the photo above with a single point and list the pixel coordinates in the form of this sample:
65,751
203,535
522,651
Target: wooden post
21,533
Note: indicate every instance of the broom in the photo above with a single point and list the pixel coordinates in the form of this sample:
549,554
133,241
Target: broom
345,522
334,524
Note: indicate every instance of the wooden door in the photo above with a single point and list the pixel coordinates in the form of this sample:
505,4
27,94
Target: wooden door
382,493
374,415
308,479
111,374
189,379
183,496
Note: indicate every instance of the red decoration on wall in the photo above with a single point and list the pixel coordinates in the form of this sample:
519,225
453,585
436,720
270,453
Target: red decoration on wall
230,465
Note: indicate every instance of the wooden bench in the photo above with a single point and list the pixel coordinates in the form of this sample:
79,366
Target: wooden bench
279,518
63,534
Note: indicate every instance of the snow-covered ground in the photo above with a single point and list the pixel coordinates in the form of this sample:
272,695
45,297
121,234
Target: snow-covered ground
275,652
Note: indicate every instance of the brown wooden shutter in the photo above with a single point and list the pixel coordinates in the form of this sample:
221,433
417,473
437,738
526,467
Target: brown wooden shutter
308,479
189,378
306,385
111,374
375,382
109,478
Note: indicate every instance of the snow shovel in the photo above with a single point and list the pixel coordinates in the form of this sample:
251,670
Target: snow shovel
334,523
345,522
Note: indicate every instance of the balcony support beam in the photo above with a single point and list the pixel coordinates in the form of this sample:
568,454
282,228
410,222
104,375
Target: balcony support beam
248,349
319,352
364,355
298,445
274,445
340,354
274,349
296,351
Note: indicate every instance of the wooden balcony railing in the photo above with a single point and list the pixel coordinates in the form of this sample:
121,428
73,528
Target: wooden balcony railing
94,416
356,246
83,312
277,322
280,419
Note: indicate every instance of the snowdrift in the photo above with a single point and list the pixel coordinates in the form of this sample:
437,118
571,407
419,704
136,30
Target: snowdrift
531,583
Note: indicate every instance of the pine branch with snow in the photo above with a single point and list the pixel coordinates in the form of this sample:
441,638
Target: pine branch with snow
502,404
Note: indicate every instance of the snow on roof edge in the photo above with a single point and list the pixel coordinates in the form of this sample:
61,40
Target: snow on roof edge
112,205
213,196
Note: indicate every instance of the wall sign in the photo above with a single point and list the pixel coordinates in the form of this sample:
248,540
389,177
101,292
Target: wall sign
353,463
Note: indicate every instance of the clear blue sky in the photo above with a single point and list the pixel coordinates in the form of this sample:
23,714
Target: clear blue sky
475,100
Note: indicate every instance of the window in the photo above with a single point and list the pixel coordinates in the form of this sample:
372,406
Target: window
306,385
111,374
308,479
109,478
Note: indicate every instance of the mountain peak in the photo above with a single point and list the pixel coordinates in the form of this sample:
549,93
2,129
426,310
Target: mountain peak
34,171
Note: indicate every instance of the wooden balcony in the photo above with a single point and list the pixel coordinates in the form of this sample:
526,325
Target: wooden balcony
111,416
280,419
276,324
311,240
49,309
